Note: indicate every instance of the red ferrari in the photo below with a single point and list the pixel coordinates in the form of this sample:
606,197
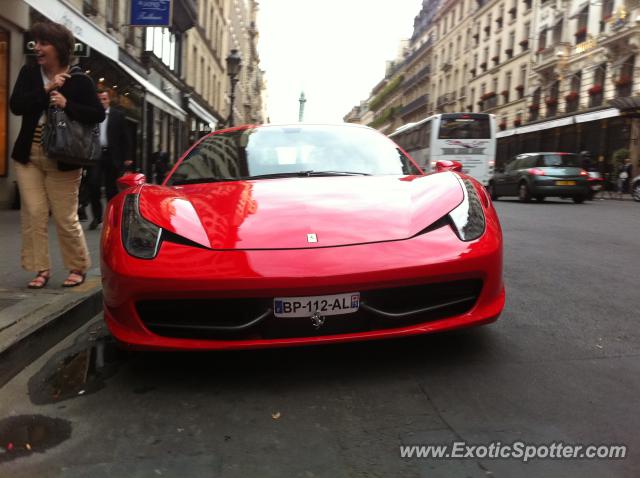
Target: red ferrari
271,236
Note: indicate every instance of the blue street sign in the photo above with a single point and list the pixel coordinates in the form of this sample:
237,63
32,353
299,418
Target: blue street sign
151,13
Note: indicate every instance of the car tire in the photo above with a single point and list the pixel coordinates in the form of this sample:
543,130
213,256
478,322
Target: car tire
492,191
635,192
523,192
579,199
540,198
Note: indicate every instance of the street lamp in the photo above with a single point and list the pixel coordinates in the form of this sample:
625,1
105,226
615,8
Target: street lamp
234,65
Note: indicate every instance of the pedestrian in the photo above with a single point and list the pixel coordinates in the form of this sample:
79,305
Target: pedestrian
624,176
586,163
47,184
115,157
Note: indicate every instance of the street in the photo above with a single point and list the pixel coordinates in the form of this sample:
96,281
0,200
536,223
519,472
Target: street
560,365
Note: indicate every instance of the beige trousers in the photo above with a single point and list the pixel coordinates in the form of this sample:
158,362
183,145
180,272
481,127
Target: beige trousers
44,187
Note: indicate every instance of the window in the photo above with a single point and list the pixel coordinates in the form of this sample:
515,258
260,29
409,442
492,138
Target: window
511,44
583,20
507,87
551,160
542,40
163,44
453,126
607,13
557,32
273,150
202,80
113,9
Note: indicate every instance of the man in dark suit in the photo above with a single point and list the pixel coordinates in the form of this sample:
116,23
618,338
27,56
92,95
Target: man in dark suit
115,160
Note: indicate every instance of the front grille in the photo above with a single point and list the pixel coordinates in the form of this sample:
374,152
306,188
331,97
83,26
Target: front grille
251,318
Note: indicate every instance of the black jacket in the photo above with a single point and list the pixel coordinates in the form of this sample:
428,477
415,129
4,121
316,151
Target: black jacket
29,100
118,139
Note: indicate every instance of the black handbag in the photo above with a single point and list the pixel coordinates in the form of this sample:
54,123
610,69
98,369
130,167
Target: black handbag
70,141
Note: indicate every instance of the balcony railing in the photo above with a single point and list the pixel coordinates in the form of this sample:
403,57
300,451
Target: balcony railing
550,55
419,102
415,79
419,51
445,99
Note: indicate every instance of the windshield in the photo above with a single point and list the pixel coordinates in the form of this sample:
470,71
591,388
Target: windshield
276,151
558,160
464,126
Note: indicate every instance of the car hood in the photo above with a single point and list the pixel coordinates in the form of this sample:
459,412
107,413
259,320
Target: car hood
282,213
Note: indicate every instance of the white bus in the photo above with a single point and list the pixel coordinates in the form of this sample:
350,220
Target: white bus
469,138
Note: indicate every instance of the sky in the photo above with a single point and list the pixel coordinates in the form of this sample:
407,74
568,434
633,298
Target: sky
333,50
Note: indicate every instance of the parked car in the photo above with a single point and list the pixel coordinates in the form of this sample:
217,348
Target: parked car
540,175
635,188
273,236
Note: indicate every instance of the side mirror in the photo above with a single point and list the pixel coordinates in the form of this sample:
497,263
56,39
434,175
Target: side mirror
130,180
446,165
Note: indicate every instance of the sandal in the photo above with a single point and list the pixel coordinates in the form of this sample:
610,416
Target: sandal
71,281
40,280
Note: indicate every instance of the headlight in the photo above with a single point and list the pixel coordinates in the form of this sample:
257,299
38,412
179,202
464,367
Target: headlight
467,219
140,237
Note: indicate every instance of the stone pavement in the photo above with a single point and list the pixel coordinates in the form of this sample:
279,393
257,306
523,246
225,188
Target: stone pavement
24,311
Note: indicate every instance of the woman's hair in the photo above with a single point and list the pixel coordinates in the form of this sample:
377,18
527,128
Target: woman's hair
57,35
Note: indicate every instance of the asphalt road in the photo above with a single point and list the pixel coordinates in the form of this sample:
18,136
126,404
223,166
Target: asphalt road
561,365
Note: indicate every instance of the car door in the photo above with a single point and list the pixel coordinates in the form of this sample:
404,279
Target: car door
500,177
511,178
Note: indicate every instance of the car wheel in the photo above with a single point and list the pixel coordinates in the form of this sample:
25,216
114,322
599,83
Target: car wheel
636,192
492,191
523,192
578,199
540,198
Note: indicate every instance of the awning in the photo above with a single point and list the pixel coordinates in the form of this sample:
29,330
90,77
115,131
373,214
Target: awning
201,113
597,115
83,29
545,125
155,96
624,103
505,133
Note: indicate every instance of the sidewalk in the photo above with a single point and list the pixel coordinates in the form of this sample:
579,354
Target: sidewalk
24,311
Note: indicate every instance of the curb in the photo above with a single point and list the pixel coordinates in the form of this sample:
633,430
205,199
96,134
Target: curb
42,328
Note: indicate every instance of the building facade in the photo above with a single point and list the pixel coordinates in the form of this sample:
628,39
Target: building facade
549,71
243,36
171,82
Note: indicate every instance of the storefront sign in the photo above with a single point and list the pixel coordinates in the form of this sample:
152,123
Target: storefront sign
155,13
80,49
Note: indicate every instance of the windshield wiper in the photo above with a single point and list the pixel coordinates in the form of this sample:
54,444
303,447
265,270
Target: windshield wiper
178,182
338,173
305,174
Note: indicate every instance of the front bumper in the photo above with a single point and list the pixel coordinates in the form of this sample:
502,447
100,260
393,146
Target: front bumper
181,272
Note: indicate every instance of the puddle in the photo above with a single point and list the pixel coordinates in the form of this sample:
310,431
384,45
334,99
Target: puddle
23,435
79,370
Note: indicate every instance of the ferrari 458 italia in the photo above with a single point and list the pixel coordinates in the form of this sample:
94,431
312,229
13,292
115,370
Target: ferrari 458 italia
281,235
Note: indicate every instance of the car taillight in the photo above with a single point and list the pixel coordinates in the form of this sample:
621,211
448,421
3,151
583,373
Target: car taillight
584,173
536,171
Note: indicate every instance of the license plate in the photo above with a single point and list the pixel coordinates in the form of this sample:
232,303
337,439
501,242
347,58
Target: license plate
565,183
323,304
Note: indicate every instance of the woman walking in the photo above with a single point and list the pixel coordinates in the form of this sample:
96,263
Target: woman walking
46,184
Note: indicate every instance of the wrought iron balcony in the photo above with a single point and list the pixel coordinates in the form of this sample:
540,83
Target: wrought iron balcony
552,55
415,79
419,102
